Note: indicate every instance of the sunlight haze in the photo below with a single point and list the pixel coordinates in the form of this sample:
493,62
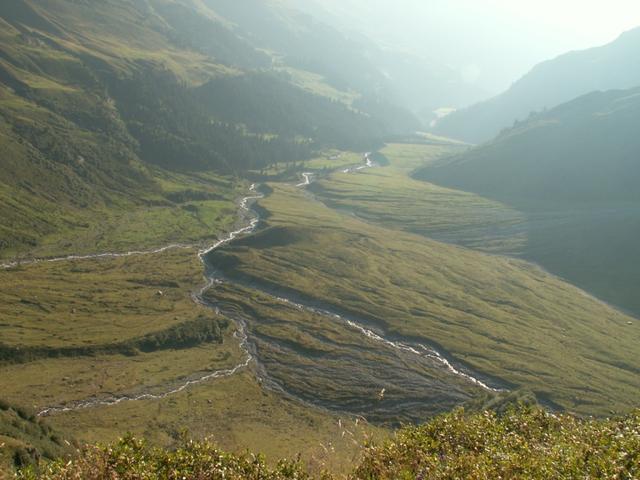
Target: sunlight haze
490,42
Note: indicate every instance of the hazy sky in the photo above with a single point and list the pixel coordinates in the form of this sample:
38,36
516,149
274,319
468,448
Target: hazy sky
491,42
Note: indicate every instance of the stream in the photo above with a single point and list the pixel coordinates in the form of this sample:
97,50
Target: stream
212,277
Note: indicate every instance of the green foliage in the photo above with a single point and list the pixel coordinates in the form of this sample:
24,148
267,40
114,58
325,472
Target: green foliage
26,439
526,443
132,459
521,443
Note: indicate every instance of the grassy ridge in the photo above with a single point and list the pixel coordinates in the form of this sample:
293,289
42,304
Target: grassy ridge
503,317
186,335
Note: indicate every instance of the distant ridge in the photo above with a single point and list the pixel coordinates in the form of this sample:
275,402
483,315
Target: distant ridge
582,151
612,66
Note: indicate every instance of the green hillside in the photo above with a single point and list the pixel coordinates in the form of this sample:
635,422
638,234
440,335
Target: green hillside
222,230
573,173
99,102
581,152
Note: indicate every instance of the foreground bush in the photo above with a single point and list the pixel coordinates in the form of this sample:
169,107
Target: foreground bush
527,443
521,444
131,459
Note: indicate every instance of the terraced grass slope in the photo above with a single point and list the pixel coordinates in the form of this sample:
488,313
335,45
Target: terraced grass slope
95,328
504,319
78,333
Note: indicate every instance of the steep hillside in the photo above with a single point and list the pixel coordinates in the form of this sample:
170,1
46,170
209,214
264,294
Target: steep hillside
573,172
412,76
584,151
99,100
613,66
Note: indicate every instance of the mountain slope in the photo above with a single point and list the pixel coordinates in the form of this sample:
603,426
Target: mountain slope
101,101
612,66
412,77
26,439
582,151
573,172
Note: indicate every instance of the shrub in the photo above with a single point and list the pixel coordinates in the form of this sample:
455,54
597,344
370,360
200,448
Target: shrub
522,443
132,459
527,443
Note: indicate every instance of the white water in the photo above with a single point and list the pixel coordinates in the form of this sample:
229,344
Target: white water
426,352
243,206
368,164
307,179
240,334
131,253
419,349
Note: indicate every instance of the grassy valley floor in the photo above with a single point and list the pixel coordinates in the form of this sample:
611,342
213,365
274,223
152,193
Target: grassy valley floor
349,309
389,197
503,318
98,330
